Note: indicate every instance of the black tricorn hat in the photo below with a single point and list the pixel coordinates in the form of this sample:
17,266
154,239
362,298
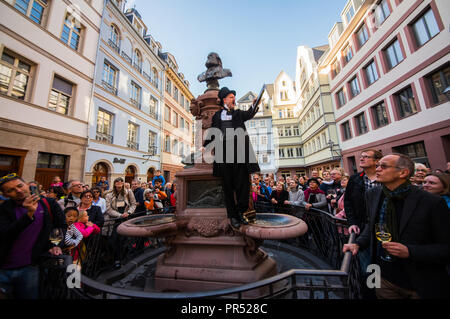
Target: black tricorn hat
223,93
312,179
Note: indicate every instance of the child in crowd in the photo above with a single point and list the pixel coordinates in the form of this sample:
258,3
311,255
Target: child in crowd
73,235
86,227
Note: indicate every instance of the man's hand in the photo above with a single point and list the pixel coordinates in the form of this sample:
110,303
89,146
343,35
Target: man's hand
308,206
354,248
124,215
354,229
274,201
286,202
396,249
55,251
31,204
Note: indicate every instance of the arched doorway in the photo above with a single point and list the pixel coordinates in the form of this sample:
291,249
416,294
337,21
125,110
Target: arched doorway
100,170
150,174
130,174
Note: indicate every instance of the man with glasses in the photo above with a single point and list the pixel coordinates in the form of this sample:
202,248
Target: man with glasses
25,225
73,198
418,240
355,205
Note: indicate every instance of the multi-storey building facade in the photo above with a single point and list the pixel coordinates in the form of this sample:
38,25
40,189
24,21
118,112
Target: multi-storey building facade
48,51
260,129
288,145
178,122
125,118
316,117
389,75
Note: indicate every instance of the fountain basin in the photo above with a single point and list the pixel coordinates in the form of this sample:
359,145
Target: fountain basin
275,226
161,225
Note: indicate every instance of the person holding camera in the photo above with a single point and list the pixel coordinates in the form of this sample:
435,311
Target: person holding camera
26,221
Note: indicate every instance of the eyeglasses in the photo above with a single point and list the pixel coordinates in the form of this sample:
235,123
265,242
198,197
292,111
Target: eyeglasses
384,166
421,170
9,176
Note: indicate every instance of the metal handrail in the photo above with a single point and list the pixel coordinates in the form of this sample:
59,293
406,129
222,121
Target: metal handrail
343,272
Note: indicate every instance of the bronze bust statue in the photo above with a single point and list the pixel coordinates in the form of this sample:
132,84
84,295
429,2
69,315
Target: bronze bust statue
214,72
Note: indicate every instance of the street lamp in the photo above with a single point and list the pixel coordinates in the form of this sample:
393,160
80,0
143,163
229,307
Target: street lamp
152,151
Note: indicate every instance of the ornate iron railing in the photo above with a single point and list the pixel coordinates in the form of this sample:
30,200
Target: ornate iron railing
133,145
109,87
114,46
325,237
104,137
127,58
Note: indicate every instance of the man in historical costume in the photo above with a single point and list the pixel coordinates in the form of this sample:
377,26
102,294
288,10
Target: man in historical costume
234,169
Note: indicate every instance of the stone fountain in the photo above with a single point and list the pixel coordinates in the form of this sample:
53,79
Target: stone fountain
204,252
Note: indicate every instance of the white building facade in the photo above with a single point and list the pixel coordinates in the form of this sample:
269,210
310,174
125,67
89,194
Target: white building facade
48,53
125,120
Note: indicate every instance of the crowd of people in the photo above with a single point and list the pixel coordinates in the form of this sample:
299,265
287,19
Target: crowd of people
36,224
387,186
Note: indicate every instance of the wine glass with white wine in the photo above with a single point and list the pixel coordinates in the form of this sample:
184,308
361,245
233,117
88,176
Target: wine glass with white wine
56,236
383,235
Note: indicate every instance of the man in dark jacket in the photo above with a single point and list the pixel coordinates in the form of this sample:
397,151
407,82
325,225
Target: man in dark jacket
25,225
418,223
234,170
138,195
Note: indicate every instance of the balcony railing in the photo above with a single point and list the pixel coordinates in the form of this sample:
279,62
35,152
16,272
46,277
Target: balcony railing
127,58
109,87
135,103
133,145
102,137
154,115
146,76
137,67
114,46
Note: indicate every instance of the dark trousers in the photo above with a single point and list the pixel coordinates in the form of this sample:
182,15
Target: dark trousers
235,181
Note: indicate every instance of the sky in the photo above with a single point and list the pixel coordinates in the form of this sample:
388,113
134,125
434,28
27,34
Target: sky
256,39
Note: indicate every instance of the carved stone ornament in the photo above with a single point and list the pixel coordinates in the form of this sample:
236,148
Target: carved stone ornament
208,227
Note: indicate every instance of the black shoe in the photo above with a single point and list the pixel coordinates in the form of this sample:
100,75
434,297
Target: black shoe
236,223
243,220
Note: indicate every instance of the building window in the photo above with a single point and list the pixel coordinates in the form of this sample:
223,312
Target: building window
296,131
347,53
298,151
104,126
349,14
382,12
155,78
380,115
284,95
287,131
439,81
169,86
60,96
290,152
393,54
175,94
137,63
361,126
281,152
336,67
289,113
167,144
264,140
14,76
406,104
415,151
48,160
182,100
265,159
425,28
71,34
167,113
135,97
109,80
152,138
362,35
346,130
371,73
132,136
175,119
181,123
33,9
341,97
354,87
153,105
175,147
114,38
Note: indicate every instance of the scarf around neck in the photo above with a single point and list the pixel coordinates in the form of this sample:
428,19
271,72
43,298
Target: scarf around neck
310,191
388,214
